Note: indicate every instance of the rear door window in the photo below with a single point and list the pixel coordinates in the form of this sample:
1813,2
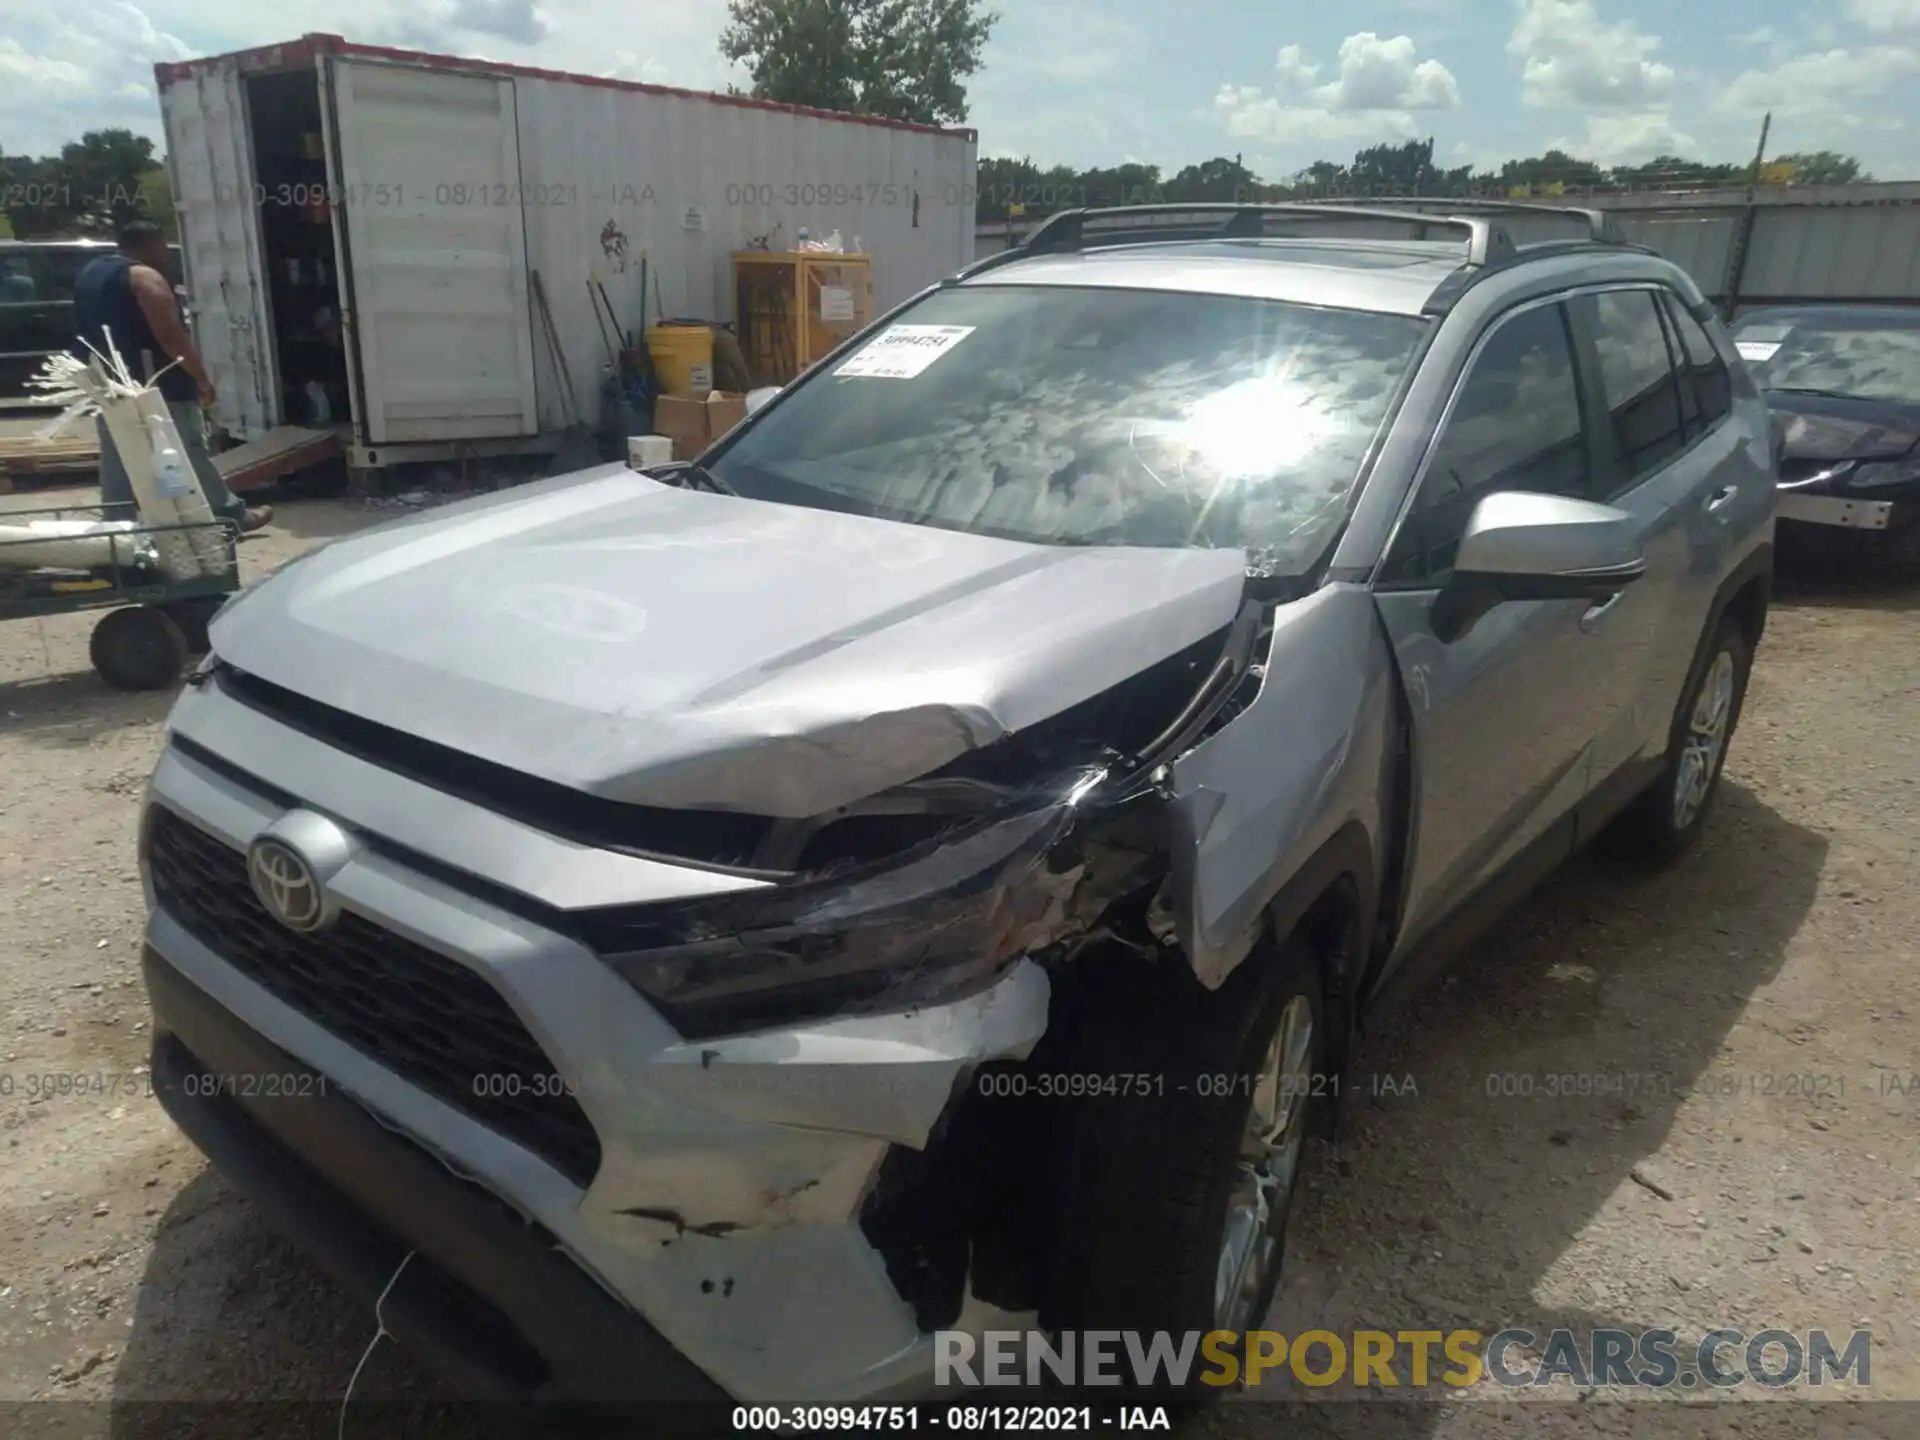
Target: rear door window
1636,376
1706,386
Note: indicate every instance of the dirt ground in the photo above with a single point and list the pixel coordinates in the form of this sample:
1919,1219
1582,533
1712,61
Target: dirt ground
1756,1169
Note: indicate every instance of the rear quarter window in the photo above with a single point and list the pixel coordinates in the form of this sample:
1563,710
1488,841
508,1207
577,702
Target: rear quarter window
1704,379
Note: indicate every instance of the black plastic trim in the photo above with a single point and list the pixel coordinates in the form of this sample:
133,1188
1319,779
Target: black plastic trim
488,1299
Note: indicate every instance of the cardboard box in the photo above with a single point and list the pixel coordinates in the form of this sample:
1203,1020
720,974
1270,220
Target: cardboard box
724,411
682,421
693,425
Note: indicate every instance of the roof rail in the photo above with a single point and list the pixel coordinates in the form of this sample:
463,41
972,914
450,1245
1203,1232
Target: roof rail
1074,230
1603,228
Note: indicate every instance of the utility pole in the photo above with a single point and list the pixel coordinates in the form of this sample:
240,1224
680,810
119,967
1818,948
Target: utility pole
1743,227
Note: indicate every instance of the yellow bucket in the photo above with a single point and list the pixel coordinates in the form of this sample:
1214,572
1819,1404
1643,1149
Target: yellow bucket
682,358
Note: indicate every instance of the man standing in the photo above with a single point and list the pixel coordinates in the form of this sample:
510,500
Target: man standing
127,296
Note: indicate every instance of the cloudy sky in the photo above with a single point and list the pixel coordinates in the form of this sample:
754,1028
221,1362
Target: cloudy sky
1086,82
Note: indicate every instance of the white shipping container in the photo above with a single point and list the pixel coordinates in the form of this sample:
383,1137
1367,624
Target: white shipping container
412,198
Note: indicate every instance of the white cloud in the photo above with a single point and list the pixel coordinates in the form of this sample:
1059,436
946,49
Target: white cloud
1065,81
82,65
1821,86
442,24
627,65
1374,74
1886,16
1377,85
1570,56
1627,138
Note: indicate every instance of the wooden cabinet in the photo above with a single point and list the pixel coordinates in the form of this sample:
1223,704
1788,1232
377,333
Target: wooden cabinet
794,306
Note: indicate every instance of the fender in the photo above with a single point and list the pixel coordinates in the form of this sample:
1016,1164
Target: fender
1348,854
1758,565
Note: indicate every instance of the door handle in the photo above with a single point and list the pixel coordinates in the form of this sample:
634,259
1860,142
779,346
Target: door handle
1596,616
1719,499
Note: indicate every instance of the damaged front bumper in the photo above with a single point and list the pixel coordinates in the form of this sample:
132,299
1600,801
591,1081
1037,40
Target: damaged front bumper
1836,510
725,1204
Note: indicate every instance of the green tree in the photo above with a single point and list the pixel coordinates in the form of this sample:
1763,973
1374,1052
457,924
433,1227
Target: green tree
105,170
40,197
897,59
1823,167
1542,172
1008,187
1214,181
1675,171
1386,170
1129,184
1323,177
156,200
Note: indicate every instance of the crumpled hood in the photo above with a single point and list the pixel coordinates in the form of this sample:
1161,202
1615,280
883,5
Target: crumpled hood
676,648
1819,428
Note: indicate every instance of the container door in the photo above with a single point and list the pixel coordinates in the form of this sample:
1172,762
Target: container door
429,174
210,165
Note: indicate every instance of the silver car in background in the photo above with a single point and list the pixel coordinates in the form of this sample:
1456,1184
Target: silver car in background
700,933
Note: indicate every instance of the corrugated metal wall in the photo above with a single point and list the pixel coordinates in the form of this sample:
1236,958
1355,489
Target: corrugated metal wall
637,160
1821,243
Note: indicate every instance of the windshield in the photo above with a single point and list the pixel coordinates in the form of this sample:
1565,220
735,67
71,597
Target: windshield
1093,417
1876,360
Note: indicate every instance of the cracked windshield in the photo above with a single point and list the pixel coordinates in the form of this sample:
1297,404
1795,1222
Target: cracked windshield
1094,416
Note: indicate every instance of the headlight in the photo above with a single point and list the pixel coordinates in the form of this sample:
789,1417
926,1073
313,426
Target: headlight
931,928
1881,473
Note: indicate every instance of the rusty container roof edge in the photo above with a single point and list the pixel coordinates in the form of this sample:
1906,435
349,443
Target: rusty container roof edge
294,54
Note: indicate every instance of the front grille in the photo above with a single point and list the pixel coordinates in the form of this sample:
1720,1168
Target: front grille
424,1016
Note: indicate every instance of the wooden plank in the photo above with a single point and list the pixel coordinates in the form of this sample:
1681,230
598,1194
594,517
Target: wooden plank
280,452
24,455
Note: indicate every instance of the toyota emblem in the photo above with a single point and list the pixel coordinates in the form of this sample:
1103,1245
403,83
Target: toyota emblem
285,884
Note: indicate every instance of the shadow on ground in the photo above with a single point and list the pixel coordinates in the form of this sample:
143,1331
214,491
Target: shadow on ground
1450,1207
1830,579
71,706
229,1308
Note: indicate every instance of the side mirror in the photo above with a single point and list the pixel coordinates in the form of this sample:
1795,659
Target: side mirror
1523,546
758,398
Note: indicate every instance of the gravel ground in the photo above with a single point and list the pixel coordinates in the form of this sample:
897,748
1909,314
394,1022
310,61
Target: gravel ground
1748,1161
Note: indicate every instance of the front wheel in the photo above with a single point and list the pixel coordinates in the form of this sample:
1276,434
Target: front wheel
138,648
1175,1203
1663,824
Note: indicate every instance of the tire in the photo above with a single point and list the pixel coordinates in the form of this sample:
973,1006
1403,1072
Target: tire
192,616
1146,1180
1656,830
139,648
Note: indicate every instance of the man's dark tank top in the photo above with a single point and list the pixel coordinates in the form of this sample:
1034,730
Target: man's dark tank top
103,304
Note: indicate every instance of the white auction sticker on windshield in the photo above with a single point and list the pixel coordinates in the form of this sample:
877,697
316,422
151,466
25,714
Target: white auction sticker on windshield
901,352
1757,352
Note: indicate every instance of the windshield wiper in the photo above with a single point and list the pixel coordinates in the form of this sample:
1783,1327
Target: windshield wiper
699,475
1814,391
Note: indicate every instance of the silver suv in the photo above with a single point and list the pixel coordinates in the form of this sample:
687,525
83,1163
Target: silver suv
699,933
